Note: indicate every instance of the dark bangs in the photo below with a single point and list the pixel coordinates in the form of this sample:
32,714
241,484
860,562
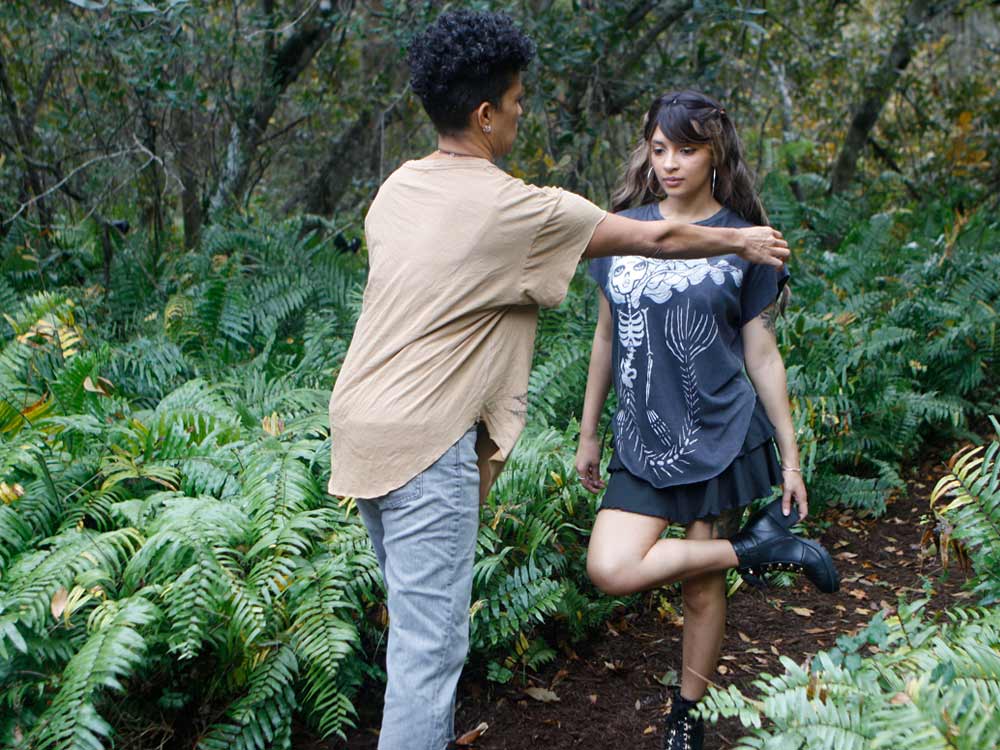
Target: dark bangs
683,117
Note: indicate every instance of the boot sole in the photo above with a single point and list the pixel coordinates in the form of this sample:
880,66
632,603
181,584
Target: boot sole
831,571
832,575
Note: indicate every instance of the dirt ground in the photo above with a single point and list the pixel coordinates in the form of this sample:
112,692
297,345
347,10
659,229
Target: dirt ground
609,688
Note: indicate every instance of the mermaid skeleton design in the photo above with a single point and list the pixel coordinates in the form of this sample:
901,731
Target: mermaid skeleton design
688,333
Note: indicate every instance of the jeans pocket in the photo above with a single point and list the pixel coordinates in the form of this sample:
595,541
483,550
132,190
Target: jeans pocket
412,490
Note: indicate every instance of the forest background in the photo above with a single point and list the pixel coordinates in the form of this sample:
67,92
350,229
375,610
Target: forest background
182,192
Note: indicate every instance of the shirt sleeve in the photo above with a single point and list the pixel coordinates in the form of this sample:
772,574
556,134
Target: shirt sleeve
761,286
558,247
598,270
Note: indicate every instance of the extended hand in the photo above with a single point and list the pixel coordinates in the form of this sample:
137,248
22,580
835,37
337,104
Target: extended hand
764,245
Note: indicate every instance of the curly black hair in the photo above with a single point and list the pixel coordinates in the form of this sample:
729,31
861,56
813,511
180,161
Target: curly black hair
463,59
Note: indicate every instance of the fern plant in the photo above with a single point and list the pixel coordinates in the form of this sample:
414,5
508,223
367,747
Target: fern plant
930,685
967,499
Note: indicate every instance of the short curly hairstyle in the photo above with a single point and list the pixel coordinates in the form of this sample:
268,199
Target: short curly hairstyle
463,59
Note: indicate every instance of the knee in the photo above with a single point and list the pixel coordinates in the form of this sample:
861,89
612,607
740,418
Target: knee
609,574
704,594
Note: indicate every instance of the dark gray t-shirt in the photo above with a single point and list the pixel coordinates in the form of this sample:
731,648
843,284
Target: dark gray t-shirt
685,403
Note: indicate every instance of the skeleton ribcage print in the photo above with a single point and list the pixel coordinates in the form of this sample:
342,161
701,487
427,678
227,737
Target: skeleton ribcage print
688,333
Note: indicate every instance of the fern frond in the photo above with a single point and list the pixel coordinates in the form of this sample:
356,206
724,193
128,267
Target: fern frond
112,652
262,717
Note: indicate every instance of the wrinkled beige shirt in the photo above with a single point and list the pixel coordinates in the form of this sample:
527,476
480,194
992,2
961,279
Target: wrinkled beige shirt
461,256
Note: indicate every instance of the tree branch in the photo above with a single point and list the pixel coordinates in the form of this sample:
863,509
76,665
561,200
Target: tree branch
877,88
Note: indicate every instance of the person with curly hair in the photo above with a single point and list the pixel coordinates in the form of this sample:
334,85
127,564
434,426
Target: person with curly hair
433,391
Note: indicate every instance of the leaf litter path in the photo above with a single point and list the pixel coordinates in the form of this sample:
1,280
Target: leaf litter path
608,688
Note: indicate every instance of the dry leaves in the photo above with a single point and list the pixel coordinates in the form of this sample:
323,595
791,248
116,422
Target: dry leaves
541,694
58,603
471,736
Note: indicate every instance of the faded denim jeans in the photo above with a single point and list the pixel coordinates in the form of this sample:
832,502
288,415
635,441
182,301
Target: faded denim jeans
424,534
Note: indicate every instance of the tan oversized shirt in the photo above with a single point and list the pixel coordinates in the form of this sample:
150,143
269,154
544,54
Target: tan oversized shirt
461,256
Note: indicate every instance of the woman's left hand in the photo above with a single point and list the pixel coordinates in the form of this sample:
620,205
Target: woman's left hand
794,490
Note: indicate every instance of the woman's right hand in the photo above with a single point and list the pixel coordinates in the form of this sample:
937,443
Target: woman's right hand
588,464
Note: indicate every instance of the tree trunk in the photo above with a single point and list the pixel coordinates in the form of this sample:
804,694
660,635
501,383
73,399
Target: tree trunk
877,88
787,125
591,100
282,67
188,164
23,136
329,183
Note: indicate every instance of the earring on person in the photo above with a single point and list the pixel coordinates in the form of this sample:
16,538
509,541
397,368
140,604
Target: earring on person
713,180
487,129
652,183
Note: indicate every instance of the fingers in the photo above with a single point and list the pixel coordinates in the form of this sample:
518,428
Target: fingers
803,505
786,501
590,477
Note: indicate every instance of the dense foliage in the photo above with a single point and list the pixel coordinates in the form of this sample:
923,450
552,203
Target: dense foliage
164,451
179,195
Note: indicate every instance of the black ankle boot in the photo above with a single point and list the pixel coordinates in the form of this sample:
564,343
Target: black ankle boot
681,730
765,543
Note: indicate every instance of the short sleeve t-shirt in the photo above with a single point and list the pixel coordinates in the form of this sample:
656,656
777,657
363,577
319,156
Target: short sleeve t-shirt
684,401
461,256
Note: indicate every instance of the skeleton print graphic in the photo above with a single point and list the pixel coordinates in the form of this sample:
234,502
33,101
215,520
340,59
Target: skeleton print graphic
687,333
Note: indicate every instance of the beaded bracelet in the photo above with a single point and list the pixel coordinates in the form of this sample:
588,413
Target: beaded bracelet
789,468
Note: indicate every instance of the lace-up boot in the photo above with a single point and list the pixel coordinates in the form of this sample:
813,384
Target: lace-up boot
681,730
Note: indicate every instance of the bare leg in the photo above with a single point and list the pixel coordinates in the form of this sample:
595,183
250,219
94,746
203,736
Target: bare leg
704,612
626,555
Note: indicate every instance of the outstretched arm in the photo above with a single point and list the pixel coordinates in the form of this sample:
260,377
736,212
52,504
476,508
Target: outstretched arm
617,235
767,373
588,453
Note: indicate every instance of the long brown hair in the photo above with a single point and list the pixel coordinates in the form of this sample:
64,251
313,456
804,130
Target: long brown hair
692,117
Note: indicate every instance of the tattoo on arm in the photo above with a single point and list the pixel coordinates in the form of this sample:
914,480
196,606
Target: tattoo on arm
767,317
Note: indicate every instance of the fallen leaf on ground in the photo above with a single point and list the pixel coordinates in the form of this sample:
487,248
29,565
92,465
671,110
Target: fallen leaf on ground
802,611
541,694
472,735
649,730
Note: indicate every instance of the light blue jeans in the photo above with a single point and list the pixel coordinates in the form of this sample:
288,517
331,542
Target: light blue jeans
424,534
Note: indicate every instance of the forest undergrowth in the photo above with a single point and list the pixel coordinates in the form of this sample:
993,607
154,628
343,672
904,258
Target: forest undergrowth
172,571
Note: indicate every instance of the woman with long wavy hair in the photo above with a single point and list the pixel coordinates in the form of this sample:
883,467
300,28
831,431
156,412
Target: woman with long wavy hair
690,348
